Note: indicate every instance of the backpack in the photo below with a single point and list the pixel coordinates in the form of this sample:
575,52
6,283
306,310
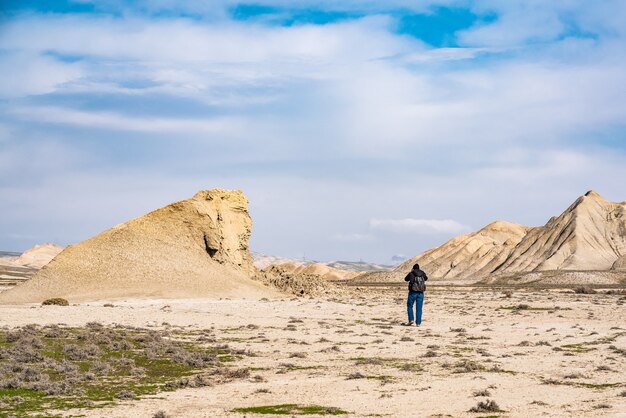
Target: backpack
417,283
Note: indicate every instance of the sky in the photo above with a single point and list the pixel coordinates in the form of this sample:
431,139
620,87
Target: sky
358,129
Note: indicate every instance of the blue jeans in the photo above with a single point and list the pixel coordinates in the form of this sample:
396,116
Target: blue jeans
416,298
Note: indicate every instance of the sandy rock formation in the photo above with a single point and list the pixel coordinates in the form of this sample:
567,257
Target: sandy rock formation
589,235
474,254
300,284
192,248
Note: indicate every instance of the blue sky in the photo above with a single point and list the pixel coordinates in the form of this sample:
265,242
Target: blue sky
358,129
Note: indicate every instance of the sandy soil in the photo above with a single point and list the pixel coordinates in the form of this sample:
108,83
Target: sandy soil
565,356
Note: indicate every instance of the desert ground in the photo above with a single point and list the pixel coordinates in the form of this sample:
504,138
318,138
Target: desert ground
533,352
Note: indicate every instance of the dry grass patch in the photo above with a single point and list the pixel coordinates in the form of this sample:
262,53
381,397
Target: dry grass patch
51,367
292,409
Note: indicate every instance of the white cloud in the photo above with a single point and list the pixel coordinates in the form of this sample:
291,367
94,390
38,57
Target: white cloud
421,226
26,73
352,83
184,41
114,121
334,123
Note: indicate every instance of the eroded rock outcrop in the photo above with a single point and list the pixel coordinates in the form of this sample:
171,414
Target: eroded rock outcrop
589,236
191,248
474,254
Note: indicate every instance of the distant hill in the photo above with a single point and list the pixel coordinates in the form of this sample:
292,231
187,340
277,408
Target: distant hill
16,268
333,270
589,236
9,254
39,255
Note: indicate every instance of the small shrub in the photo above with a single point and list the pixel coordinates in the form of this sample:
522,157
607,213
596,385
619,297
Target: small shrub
137,371
486,406
356,375
372,361
75,352
297,355
585,290
223,375
468,366
125,395
100,367
160,414
483,392
56,301
507,293
53,331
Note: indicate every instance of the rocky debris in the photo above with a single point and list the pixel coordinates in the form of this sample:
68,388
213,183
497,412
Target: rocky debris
192,248
300,284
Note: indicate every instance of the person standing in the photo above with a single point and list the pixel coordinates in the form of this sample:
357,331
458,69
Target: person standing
417,285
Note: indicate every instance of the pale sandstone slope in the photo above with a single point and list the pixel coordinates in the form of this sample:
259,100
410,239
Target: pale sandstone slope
39,255
475,254
35,257
589,235
192,248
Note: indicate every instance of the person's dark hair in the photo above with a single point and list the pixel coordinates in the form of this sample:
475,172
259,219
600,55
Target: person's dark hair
416,266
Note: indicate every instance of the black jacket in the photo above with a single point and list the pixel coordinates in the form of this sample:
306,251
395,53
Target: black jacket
415,273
